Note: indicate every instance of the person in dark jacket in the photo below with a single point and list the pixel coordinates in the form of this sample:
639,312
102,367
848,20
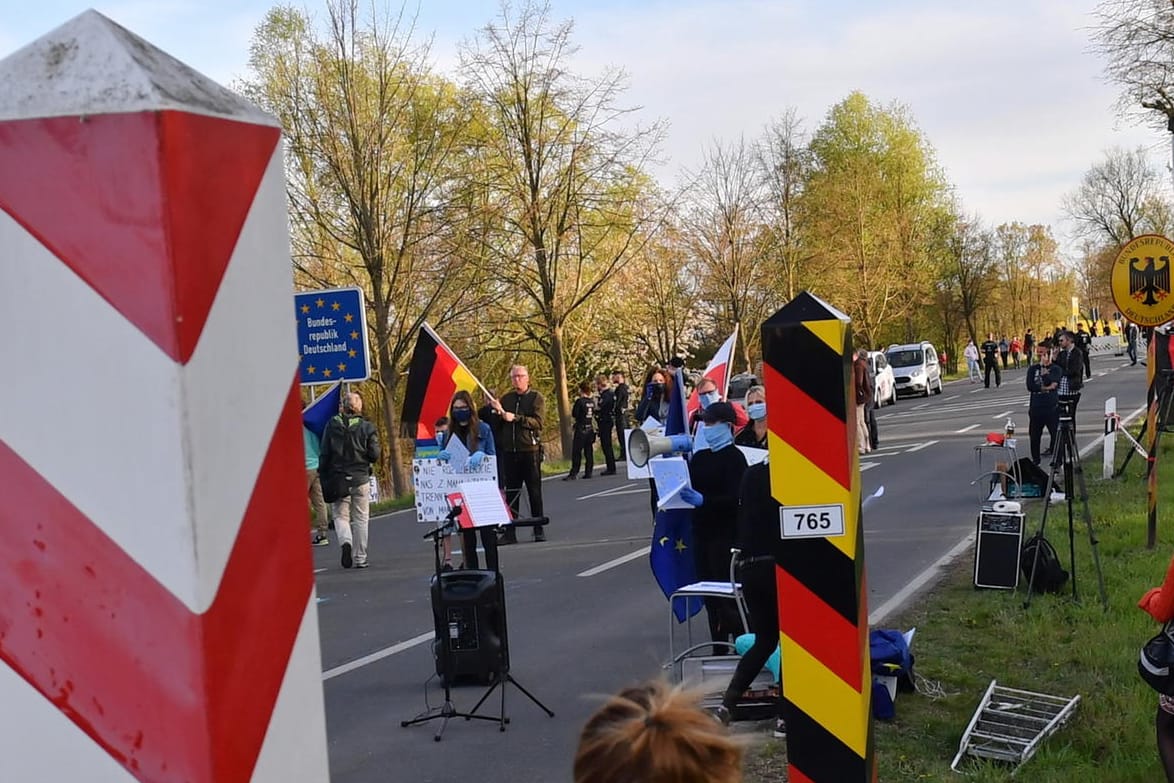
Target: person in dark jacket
466,426
715,475
757,539
990,361
1084,343
1071,363
519,450
1043,380
605,420
621,410
753,434
350,446
654,402
583,440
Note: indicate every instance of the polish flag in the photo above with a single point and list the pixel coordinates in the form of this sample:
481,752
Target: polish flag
718,369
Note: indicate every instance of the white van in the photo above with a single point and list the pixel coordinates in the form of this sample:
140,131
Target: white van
915,368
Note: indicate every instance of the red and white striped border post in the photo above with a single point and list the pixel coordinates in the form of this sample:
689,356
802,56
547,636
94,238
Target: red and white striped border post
157,607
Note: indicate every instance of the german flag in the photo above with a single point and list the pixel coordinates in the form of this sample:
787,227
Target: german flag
434,376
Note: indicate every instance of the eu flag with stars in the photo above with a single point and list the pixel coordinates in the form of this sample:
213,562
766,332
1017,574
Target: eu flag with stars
318,413
671,557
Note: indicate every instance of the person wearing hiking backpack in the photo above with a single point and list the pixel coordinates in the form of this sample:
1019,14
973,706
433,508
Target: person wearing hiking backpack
1158,603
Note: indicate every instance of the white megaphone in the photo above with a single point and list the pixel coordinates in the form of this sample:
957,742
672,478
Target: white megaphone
643,447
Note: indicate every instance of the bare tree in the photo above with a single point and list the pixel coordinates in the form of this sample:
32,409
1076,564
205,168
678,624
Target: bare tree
565,171
373,140
1118,198
969,269
1137,39
725,233
785,165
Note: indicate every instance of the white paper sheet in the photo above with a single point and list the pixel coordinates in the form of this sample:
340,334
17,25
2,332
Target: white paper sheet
485,504
458,455
753,455
671,475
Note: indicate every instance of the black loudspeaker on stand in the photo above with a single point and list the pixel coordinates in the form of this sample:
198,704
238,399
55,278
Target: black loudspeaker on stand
472,636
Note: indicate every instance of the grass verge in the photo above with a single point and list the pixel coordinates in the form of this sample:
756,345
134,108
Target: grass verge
967,637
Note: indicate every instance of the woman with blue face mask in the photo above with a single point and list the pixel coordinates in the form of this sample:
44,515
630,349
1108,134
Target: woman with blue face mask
715,476
754,433
476,435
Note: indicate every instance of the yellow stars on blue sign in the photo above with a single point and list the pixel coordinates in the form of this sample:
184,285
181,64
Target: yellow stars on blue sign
320,302
334,306
305,309
312,370
331,334
680,547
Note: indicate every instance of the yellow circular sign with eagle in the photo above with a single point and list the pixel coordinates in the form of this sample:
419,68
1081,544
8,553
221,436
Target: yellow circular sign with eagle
1141,280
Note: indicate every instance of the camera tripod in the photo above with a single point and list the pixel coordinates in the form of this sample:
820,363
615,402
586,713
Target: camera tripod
1066,459
448,710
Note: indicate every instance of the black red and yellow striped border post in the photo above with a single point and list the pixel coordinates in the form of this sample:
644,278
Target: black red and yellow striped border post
814,474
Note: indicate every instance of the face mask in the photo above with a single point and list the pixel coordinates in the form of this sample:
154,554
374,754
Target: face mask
718,436
440,436
462,415
707,399
756,410
657,388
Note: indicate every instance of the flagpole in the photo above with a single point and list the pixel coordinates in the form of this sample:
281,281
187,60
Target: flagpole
453,353
730,361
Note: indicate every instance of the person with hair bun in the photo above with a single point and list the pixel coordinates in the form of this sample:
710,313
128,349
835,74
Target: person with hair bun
656,733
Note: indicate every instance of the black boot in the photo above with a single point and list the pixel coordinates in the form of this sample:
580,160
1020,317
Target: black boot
539,534
508,536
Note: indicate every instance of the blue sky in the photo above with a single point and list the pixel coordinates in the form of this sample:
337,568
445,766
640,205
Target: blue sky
1006,91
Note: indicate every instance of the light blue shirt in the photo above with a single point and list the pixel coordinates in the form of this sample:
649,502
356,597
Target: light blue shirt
313,445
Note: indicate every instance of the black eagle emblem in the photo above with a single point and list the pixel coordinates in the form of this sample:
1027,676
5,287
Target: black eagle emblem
1149,283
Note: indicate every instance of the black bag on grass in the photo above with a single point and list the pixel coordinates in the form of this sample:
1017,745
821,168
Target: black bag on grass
1155,662
1050,576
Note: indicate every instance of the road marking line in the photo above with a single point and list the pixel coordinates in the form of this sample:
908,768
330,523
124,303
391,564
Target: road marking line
867,465
616,493
919,407
622,489
378,655
920,446
319,570
619,561
966,429
951,397
976,391
1001,415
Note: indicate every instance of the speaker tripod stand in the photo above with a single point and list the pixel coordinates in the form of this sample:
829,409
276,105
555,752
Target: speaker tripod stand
1066,460
502,677
448,710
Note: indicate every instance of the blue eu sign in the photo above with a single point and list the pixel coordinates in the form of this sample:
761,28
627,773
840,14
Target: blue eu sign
332,336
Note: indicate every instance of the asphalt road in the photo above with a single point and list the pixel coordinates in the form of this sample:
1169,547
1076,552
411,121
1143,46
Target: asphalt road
586,617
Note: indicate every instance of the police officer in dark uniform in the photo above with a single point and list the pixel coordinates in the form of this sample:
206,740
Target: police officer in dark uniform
583,444
605,413
621,410
990,361
1084,343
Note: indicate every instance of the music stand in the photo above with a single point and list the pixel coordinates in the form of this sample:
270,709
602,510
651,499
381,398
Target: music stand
448,710
487,507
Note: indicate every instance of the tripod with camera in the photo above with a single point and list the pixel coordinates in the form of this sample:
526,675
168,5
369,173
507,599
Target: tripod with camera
1066,461
448,710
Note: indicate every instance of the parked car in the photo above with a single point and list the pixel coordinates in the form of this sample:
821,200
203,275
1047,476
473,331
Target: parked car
886,384
916,368
739,385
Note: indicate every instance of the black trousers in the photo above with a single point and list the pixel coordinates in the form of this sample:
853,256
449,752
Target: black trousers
1087,365
873,433
606,446
488,542
1131,352
621,425
583,447
1036,424
711,559
762,606
992,364
518,468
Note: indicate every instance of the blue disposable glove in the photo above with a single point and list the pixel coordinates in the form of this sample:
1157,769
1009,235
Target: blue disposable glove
692,497
444,456
475,459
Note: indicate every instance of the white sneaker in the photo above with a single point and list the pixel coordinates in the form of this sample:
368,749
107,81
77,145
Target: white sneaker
1057,497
